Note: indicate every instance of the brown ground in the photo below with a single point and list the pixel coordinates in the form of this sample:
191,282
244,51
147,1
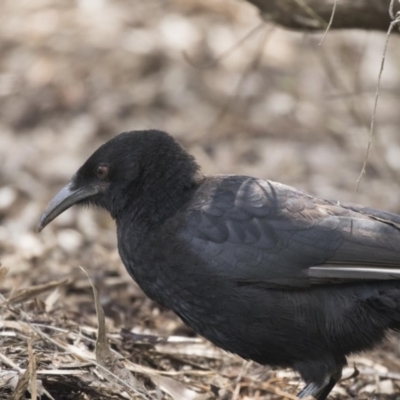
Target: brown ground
72,75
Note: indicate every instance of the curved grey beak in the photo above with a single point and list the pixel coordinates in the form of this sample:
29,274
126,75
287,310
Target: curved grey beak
64,199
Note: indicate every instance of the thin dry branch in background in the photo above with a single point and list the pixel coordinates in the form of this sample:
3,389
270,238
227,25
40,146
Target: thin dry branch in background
313,15
225,53
235,96
330,22
394,23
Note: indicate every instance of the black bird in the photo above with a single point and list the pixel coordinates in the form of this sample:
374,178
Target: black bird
258,268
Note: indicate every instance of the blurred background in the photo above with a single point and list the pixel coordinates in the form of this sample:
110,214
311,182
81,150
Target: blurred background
243,96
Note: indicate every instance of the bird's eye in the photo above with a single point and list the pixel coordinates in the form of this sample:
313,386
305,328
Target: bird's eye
102,171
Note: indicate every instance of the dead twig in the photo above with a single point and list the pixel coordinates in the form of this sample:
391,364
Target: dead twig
329,23
371,131
225,53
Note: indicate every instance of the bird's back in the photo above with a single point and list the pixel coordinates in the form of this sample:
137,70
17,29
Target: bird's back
271,233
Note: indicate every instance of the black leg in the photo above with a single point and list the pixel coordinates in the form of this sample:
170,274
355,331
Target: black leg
321,390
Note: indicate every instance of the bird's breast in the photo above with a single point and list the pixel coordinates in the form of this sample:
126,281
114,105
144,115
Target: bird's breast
154,263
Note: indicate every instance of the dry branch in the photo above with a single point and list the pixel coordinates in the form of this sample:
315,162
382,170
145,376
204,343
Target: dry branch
314,15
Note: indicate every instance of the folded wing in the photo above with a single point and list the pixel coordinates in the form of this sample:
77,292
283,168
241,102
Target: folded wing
261,232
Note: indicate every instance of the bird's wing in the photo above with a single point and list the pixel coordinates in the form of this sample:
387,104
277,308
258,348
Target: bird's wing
262,232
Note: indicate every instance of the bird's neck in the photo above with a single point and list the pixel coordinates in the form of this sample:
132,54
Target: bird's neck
157,198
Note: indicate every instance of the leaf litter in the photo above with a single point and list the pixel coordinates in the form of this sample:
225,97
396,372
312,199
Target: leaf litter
58,103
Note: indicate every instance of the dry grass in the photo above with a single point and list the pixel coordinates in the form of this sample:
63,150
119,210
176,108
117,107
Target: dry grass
72,75
46,354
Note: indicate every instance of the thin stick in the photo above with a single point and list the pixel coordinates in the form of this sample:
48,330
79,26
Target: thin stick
65,348
330,22
226,52
371,131
391,12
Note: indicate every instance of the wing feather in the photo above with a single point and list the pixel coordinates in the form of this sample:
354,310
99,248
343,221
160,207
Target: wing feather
262,232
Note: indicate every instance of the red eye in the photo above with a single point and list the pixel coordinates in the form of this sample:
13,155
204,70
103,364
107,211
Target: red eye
102,171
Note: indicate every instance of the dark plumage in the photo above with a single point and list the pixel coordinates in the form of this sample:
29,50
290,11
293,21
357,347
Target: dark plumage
258,268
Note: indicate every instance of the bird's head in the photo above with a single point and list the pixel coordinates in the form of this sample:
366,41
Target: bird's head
132,164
